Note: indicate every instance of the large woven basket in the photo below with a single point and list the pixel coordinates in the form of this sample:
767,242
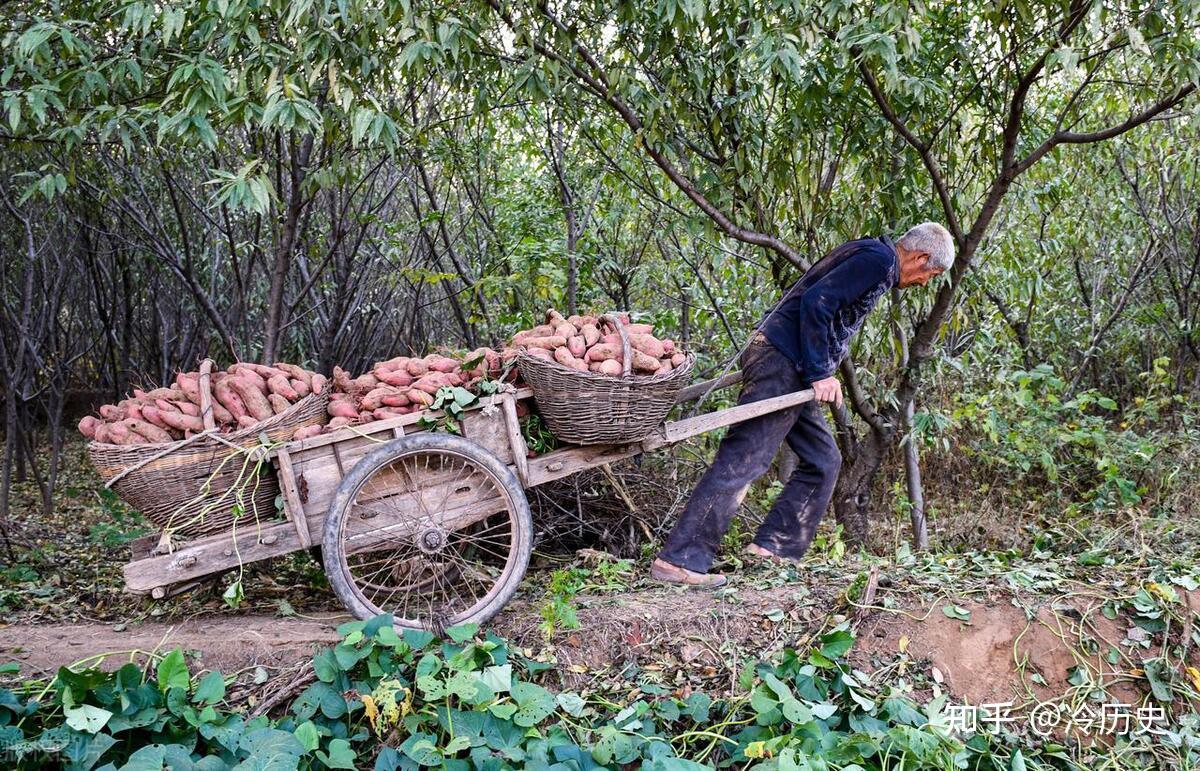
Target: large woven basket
197,486
591,408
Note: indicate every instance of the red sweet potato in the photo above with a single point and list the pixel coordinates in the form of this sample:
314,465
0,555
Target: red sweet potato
648,345
639,329
341,421
549,342
577,346
668,345
189,383
611,367
387,413
563,356
149,432
181,422
227,397
342,409
419,398
565,329
87,426
295,373
416,367
279,404
438,363
281,386
255,400
318,382
643,362
341,380
249,375
678,359
541,353
603,352
432,382
394,400
306,432
247,421
591,335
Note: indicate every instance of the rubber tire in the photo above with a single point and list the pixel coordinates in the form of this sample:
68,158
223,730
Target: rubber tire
426,442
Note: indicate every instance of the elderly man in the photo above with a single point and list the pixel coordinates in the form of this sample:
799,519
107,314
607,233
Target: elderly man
798,345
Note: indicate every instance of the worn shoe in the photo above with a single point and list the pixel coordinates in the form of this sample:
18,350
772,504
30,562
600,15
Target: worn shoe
673,574
755,551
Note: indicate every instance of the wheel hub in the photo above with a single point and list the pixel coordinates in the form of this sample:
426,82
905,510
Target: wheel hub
432,540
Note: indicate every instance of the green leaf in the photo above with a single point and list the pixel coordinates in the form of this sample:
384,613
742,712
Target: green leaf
340,755
462,632
534,704
957,612
306,733
173,671
86,718
210,689
234,595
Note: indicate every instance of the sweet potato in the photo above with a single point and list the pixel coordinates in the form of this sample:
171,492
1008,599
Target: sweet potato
549,342
417,367
102,434
306,432
541,353
678,359
154,415
664,366
342,409
434,381
399,377
255,400
295,373
265,372
279,404
249,375
318,382
189,383
133,410
119,433
668,346
647,344
611,367
341,421
228,398
111,412
394,400
341,379
577,346
87,426
565,329
563,356
160,393
387,413
541,330
591,335
575,319
612,338
639,329
281,386
441,363
300,387
419,398
151,433
644,362
603,352
181,422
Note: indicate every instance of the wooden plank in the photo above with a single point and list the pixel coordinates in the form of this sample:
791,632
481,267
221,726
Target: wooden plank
561,463
212,555
678,430
699,389
292,506
488,431
520,450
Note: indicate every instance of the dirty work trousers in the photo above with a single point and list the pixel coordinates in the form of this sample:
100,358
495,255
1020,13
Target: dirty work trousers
745,454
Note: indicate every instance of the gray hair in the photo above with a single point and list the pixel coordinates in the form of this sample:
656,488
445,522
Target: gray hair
932,239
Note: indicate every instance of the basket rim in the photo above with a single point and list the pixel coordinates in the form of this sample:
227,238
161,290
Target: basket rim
524,357
233,436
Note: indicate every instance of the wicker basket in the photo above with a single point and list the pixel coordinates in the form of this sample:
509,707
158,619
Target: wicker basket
590,408
193,487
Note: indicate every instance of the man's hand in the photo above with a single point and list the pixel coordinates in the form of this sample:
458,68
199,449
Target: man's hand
828,390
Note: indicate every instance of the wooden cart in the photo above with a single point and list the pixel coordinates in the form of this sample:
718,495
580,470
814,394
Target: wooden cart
431,527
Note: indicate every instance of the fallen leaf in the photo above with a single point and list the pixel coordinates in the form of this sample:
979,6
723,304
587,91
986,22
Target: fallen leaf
904,643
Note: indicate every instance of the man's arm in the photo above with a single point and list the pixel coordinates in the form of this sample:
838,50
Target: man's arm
821,303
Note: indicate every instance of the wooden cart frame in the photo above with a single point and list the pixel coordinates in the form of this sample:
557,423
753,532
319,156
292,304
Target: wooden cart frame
322,482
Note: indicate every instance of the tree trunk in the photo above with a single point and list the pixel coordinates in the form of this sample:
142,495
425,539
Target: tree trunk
283,254
912,478
852,496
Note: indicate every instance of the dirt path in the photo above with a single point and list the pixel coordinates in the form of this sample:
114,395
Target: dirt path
990,656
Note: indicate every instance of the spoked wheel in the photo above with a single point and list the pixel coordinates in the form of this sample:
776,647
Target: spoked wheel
431,528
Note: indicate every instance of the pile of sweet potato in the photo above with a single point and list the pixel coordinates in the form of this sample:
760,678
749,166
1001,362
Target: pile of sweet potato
400,386
588,344
242,396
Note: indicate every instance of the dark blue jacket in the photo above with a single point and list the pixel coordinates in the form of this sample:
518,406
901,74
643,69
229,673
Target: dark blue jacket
817,317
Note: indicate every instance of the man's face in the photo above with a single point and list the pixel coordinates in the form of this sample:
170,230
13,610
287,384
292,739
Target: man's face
912,269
